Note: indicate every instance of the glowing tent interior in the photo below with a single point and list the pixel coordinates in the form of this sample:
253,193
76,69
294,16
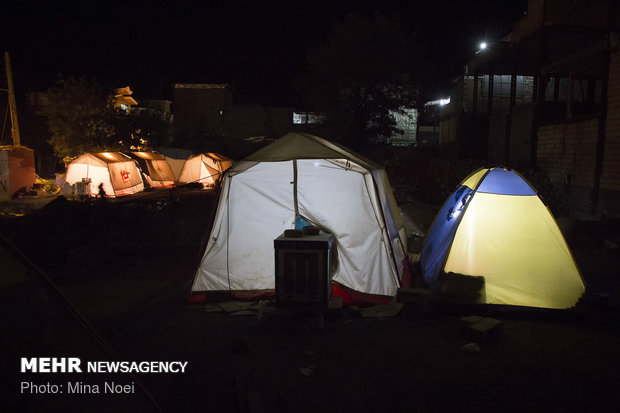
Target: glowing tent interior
301,176
206,168
494,241
117,172
176,158
155,169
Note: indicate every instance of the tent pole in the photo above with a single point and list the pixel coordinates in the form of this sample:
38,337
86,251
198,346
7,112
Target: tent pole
295,188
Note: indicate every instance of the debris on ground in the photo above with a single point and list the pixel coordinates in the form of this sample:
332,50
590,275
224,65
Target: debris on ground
482,329
415,300
243,313
235,306
306,371
335,303
466,322
382,310
471,348
213,308
487,329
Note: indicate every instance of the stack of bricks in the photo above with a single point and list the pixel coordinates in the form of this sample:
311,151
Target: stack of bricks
482,329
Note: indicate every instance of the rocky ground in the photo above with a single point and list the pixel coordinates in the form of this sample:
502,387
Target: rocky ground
126,265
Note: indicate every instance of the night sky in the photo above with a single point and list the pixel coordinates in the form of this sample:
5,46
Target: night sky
258,47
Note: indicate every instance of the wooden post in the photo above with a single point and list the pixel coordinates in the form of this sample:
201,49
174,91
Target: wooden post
538,97
474,103
569,97
12,106
490,95
602,119
508,130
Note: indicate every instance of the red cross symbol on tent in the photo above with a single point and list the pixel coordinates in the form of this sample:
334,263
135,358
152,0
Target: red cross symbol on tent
124,175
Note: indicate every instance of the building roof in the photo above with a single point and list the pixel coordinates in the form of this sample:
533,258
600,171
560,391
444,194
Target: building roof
201,86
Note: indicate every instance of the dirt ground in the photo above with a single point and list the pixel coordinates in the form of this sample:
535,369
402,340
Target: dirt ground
126,265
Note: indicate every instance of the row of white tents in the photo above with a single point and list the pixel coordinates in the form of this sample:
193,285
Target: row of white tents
493,242
121,174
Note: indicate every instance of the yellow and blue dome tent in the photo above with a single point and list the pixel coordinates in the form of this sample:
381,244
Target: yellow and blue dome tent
495,236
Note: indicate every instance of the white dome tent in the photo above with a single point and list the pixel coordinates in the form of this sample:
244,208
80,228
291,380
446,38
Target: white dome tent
303,176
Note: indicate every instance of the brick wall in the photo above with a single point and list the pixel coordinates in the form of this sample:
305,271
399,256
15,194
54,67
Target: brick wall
567,151
610,178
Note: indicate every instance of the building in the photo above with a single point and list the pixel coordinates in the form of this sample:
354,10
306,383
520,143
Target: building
161,108
199,109
123,100
547,95
406,122
204,115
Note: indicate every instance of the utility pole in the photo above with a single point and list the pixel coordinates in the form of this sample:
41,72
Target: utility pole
12,106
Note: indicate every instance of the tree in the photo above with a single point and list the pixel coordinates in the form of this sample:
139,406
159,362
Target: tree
369,69
141,131
79,116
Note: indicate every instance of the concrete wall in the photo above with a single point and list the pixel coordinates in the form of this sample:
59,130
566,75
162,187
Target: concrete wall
206,112
278,121
521,125
558,13
610,178
609,196
497,137
198,109
449,128
428,136
243,121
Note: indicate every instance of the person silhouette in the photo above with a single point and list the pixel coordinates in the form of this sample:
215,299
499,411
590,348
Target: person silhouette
102,193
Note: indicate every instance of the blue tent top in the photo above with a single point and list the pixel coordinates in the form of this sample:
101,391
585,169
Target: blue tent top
504,182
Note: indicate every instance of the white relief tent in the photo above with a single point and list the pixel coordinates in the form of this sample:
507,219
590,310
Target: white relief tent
323,183
155,169
117,172
205,168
